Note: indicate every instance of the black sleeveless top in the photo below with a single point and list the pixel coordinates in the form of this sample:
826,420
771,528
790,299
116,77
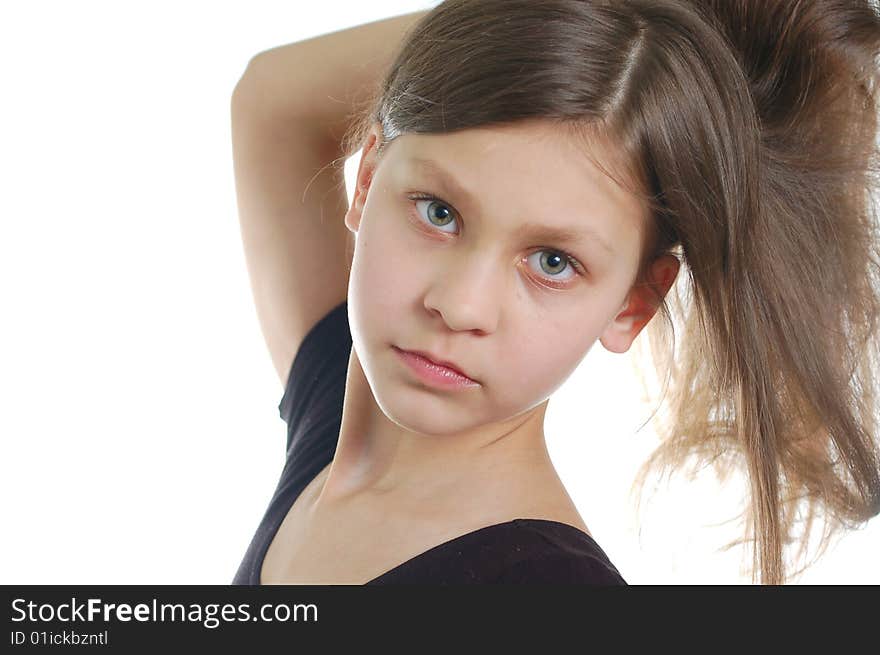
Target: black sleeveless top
519,551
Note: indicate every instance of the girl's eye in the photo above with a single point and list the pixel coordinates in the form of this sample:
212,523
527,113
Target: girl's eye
439,214
552,262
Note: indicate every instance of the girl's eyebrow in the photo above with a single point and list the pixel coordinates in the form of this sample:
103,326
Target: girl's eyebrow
581,235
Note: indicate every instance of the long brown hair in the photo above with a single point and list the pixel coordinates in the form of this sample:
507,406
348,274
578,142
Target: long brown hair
749,128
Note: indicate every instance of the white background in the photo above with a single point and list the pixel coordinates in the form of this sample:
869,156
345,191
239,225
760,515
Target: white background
141,440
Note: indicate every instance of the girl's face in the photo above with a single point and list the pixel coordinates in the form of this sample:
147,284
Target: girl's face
476,275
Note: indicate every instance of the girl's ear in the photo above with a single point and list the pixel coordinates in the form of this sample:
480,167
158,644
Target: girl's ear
366,169
640,306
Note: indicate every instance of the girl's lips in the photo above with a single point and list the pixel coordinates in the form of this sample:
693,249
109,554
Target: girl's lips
434,374
439,361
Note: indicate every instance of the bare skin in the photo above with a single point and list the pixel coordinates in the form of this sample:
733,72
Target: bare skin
353,539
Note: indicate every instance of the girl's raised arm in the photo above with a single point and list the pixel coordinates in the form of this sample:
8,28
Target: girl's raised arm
289,112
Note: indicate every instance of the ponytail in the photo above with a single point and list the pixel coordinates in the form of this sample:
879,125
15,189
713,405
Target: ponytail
795,399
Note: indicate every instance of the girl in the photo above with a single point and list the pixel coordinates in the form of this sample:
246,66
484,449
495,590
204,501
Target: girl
534,176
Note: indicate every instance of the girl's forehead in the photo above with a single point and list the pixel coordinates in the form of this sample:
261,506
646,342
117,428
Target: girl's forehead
531,153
